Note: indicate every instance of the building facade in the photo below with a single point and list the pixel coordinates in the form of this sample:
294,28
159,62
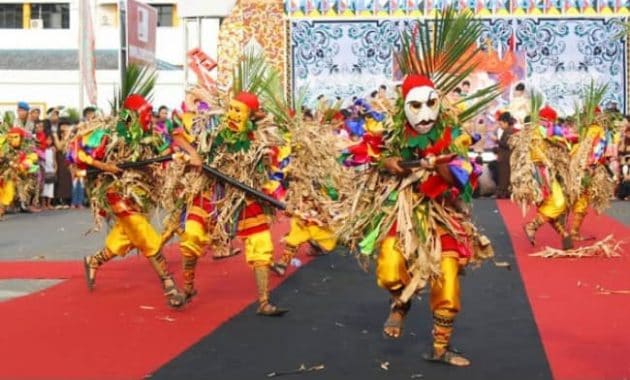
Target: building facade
39,43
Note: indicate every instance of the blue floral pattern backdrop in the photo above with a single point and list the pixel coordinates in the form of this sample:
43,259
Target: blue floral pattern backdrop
352,58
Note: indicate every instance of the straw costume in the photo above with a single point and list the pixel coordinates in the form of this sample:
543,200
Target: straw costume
418,215
18,167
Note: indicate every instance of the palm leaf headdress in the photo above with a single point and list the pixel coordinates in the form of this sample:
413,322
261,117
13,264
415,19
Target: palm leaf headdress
592,98
446,51
251,73
137,80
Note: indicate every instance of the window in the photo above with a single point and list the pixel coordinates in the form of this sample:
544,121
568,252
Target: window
164,14
55,16
10,16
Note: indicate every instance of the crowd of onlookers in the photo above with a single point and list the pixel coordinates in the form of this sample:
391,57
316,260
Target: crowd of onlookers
61,185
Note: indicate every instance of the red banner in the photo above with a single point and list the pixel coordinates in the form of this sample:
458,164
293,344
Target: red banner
202,65
141,31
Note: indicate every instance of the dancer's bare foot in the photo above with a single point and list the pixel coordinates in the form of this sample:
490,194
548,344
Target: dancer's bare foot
393,326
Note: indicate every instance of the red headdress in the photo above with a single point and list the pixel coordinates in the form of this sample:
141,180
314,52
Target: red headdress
415,80
139,104
547,113
249,99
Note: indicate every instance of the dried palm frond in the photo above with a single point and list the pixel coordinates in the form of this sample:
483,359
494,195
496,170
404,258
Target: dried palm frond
578,169
605,248
593,96
601,189
526,188
318,185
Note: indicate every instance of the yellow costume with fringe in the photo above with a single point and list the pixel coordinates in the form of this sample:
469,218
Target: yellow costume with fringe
7,193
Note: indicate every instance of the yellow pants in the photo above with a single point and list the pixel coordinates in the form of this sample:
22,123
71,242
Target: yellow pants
194,239
133,231
554,205
581,205
7,193
391,274
301,232
259,248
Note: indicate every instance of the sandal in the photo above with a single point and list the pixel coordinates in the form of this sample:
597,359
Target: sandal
270,310
174,298
232,252
396,320
450,356
188,296
315,250
531,235
90,278
279,269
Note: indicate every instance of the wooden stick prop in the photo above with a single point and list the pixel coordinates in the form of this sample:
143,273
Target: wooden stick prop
135,164
243,187
410,164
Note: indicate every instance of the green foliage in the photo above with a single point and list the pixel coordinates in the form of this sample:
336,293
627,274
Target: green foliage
535,103
7,122
593,96
73,115
138,80
252,74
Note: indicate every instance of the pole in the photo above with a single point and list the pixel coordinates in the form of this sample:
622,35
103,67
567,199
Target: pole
81,52
122,10
186,49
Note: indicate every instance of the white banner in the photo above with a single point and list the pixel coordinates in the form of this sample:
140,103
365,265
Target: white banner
87,59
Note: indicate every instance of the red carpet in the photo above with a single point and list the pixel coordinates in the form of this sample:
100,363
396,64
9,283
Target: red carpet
586,334
123,330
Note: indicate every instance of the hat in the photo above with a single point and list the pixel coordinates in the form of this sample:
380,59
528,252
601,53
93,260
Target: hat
136,102
249,99
415,80
548,113
17,131
23,106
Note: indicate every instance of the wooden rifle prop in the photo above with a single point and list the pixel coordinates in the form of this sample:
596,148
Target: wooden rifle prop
243,187
208,170
135,164
412,164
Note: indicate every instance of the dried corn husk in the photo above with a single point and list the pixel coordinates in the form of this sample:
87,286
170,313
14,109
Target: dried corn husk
606,248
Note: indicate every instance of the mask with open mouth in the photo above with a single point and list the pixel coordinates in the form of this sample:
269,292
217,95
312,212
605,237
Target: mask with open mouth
422,107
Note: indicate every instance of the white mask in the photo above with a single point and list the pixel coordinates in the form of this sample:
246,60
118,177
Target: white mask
422,106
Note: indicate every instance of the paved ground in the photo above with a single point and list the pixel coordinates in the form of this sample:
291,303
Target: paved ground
60,235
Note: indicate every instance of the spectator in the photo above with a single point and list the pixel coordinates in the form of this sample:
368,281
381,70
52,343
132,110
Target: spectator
89,113
22,120
485,184
51,125
506,123
63,186
520,105
623,191
465,89
50,173
623,152
34,114
162,114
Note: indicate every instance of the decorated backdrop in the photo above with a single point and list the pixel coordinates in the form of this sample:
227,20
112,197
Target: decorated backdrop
353,56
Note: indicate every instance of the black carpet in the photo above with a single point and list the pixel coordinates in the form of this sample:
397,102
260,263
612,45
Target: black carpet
336,318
